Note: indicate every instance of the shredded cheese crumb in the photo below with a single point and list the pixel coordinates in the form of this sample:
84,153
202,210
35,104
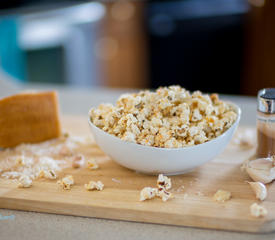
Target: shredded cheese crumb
42,159
49,174
20,161
66,182
257,210
222,196
92,185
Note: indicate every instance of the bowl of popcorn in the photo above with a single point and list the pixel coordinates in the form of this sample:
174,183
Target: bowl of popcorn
169,131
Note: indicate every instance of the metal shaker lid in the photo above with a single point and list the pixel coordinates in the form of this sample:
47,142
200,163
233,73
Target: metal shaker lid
266,100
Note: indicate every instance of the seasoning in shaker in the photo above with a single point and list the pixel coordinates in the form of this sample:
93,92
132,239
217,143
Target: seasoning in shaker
266,122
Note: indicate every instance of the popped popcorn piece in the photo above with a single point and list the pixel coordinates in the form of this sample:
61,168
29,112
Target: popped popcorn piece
148,193
222,196
163,182
92,185
164,195
92,164
169,117
257,210
66,182
24,182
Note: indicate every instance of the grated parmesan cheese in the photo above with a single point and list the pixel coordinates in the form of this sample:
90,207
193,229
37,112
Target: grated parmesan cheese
44,159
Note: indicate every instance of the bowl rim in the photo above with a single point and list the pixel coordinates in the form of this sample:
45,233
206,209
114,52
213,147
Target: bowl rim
235,107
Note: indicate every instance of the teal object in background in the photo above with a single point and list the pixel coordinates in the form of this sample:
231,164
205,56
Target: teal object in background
12,58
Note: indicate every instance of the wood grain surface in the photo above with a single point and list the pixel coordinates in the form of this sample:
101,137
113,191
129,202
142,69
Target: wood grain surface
191,206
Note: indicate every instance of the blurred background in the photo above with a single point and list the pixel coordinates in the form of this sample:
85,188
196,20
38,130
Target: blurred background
225,46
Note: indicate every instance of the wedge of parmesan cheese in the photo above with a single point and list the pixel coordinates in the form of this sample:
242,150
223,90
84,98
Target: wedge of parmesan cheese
29,117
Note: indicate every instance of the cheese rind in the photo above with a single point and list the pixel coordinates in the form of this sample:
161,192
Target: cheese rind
29,118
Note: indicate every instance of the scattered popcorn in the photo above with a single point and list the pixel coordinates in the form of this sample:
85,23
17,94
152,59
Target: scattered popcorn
169,117
66,182
24,182
164,195
222,196
78,161
92,185
163,182
148,193
257,210
92,164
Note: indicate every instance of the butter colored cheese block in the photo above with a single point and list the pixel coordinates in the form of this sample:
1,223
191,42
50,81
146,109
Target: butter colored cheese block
29,117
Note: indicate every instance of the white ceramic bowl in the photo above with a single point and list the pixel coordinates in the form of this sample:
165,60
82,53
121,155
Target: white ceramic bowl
169,161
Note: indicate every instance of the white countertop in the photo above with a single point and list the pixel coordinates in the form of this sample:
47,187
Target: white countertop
29,225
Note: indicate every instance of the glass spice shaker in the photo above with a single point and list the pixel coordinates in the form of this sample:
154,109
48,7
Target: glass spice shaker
266,123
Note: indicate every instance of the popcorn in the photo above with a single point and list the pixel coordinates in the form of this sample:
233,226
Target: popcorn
66,182
24,182
148,193
222,196
92,164
257,211
164,195
170,117
163,184
92,185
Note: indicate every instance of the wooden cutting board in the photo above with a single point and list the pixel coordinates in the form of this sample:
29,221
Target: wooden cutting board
191,206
